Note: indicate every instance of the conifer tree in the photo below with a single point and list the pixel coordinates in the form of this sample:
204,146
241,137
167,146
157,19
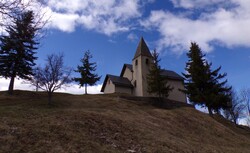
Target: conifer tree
204,86
195,77
87,69
17,53
157,83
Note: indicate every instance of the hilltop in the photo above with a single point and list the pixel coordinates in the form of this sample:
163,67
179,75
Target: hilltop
112,123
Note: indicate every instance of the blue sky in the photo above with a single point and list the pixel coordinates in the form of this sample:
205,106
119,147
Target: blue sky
111,30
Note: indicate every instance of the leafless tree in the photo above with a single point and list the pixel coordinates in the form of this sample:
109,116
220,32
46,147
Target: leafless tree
53,76
236,111
245,96
10,10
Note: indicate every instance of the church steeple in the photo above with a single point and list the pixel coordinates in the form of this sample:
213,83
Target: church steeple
142,49
141,65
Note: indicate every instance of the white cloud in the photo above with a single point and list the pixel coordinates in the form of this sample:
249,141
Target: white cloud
74,89
71,88
226,26
108,17
197,3
19,84
225,22
132,37
64,22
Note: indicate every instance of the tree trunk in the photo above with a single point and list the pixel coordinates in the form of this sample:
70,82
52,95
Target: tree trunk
86,89
36,86
11,85
49,97
235,121
234,118
210,111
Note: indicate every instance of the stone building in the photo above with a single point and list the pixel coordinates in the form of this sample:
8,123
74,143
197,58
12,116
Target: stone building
133,77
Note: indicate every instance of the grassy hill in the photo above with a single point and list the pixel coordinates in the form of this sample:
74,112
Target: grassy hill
111,123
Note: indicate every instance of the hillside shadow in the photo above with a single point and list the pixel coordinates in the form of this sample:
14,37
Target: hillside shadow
32,99
242,129
156,102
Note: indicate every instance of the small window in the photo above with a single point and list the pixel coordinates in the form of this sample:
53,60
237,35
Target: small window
147,61
135,83
136,62
108,81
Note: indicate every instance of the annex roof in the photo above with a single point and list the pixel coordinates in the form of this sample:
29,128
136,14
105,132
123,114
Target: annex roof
129,66
172,75
119,81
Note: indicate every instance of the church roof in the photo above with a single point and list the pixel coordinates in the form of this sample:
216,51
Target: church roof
172,75
119,81
142,49
129,66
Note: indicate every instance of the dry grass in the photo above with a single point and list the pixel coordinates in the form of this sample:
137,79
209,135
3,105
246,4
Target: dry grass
111,123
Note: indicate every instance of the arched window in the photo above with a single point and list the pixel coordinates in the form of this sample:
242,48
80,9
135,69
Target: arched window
135,83
147,61
136,62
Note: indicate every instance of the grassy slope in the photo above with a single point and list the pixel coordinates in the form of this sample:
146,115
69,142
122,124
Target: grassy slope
107,123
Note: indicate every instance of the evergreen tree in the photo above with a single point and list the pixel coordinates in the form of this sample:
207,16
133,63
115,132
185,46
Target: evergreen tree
219,94
87,69
204,86
17,49
195,77
157,83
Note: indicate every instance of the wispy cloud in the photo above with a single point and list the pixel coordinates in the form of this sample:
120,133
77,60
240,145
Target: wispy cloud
227,26
190,4
107,17
132,37
209,23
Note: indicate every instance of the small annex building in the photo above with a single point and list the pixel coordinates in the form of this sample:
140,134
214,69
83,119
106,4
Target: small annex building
133,77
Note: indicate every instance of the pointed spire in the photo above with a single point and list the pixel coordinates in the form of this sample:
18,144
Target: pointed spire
142,49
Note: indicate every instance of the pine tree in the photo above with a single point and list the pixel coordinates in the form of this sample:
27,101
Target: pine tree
195,77
157,83
17,53
219,93
203,85
87,69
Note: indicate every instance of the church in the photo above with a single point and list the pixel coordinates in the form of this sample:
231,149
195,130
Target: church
133,77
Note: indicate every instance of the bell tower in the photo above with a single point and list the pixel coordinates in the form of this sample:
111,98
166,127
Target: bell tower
141,65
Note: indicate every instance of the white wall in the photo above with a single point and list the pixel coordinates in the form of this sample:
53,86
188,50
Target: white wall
176,94
123,90
141,71
110,87
128,74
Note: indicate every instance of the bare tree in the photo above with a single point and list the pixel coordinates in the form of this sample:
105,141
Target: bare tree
9,9
248,122
53,76
245,96
236,111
